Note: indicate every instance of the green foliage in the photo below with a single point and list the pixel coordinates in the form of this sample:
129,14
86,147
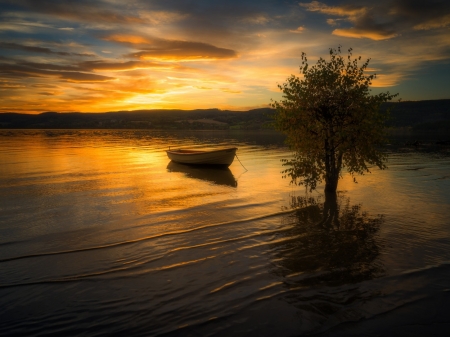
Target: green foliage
331,120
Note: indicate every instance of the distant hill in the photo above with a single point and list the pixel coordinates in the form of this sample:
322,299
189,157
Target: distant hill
143,119
433,115
420,115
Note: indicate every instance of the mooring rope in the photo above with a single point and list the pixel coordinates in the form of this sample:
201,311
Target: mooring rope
240,162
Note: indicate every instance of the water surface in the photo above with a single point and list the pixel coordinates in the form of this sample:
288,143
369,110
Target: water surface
100,234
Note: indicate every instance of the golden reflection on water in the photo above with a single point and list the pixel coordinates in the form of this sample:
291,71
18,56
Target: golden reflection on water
127,174
194,243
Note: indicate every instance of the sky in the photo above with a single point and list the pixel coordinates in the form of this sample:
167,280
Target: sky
110,55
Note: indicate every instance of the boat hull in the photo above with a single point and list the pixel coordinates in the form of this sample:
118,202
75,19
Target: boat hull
222,157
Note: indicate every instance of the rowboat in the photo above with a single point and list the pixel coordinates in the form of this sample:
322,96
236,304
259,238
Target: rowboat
223,157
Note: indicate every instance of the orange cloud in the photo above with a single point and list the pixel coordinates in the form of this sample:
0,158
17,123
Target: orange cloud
300,29
387,80
362,33
131,39
231,91
349,11
361,17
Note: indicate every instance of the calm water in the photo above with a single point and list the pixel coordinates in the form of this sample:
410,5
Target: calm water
101,235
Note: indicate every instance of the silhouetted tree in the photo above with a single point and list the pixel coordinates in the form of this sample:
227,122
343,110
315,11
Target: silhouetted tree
331,121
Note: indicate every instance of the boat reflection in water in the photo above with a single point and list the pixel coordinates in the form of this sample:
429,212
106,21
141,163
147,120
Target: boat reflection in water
218,175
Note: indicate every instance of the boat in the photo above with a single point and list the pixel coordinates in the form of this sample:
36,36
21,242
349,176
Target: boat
222,157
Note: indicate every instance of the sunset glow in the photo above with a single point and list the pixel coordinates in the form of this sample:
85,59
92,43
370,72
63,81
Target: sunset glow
106,55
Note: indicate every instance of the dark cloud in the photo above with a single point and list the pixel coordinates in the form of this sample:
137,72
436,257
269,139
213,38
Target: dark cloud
232,20
34,49
153,48
421,14
49,66
384,19
25,70
183,50
84,77
108,65
81,10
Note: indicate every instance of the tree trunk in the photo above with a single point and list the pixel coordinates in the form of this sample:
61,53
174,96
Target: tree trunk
333,164
331,183
330,216
332,173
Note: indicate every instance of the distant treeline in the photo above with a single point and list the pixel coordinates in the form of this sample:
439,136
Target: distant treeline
143,119
418,116
432,115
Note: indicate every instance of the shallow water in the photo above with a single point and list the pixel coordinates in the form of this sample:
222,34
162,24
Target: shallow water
101,235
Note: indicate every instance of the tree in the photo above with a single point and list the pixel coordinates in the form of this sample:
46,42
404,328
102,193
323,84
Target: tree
331,121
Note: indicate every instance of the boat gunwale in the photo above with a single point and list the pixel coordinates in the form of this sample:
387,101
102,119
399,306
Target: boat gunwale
187,152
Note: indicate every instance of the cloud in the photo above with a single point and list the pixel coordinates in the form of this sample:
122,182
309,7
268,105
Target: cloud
185,51
83,77
114,66
81,10
363,19
10,45
47,70
439,22
20,25
128,39
349,11
47,93
34,49
172,50
102,65
421,15
48,66
299,30
364,33
258,18
387,80
385,19
230,91
333,22
7,84
233,22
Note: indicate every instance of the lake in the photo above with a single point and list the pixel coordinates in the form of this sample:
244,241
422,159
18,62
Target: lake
100,234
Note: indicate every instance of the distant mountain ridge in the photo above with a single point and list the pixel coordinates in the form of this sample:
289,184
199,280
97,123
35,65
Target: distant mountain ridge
418,113
144,119
415,115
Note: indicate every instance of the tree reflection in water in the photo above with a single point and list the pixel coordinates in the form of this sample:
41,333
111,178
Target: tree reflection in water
331,244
